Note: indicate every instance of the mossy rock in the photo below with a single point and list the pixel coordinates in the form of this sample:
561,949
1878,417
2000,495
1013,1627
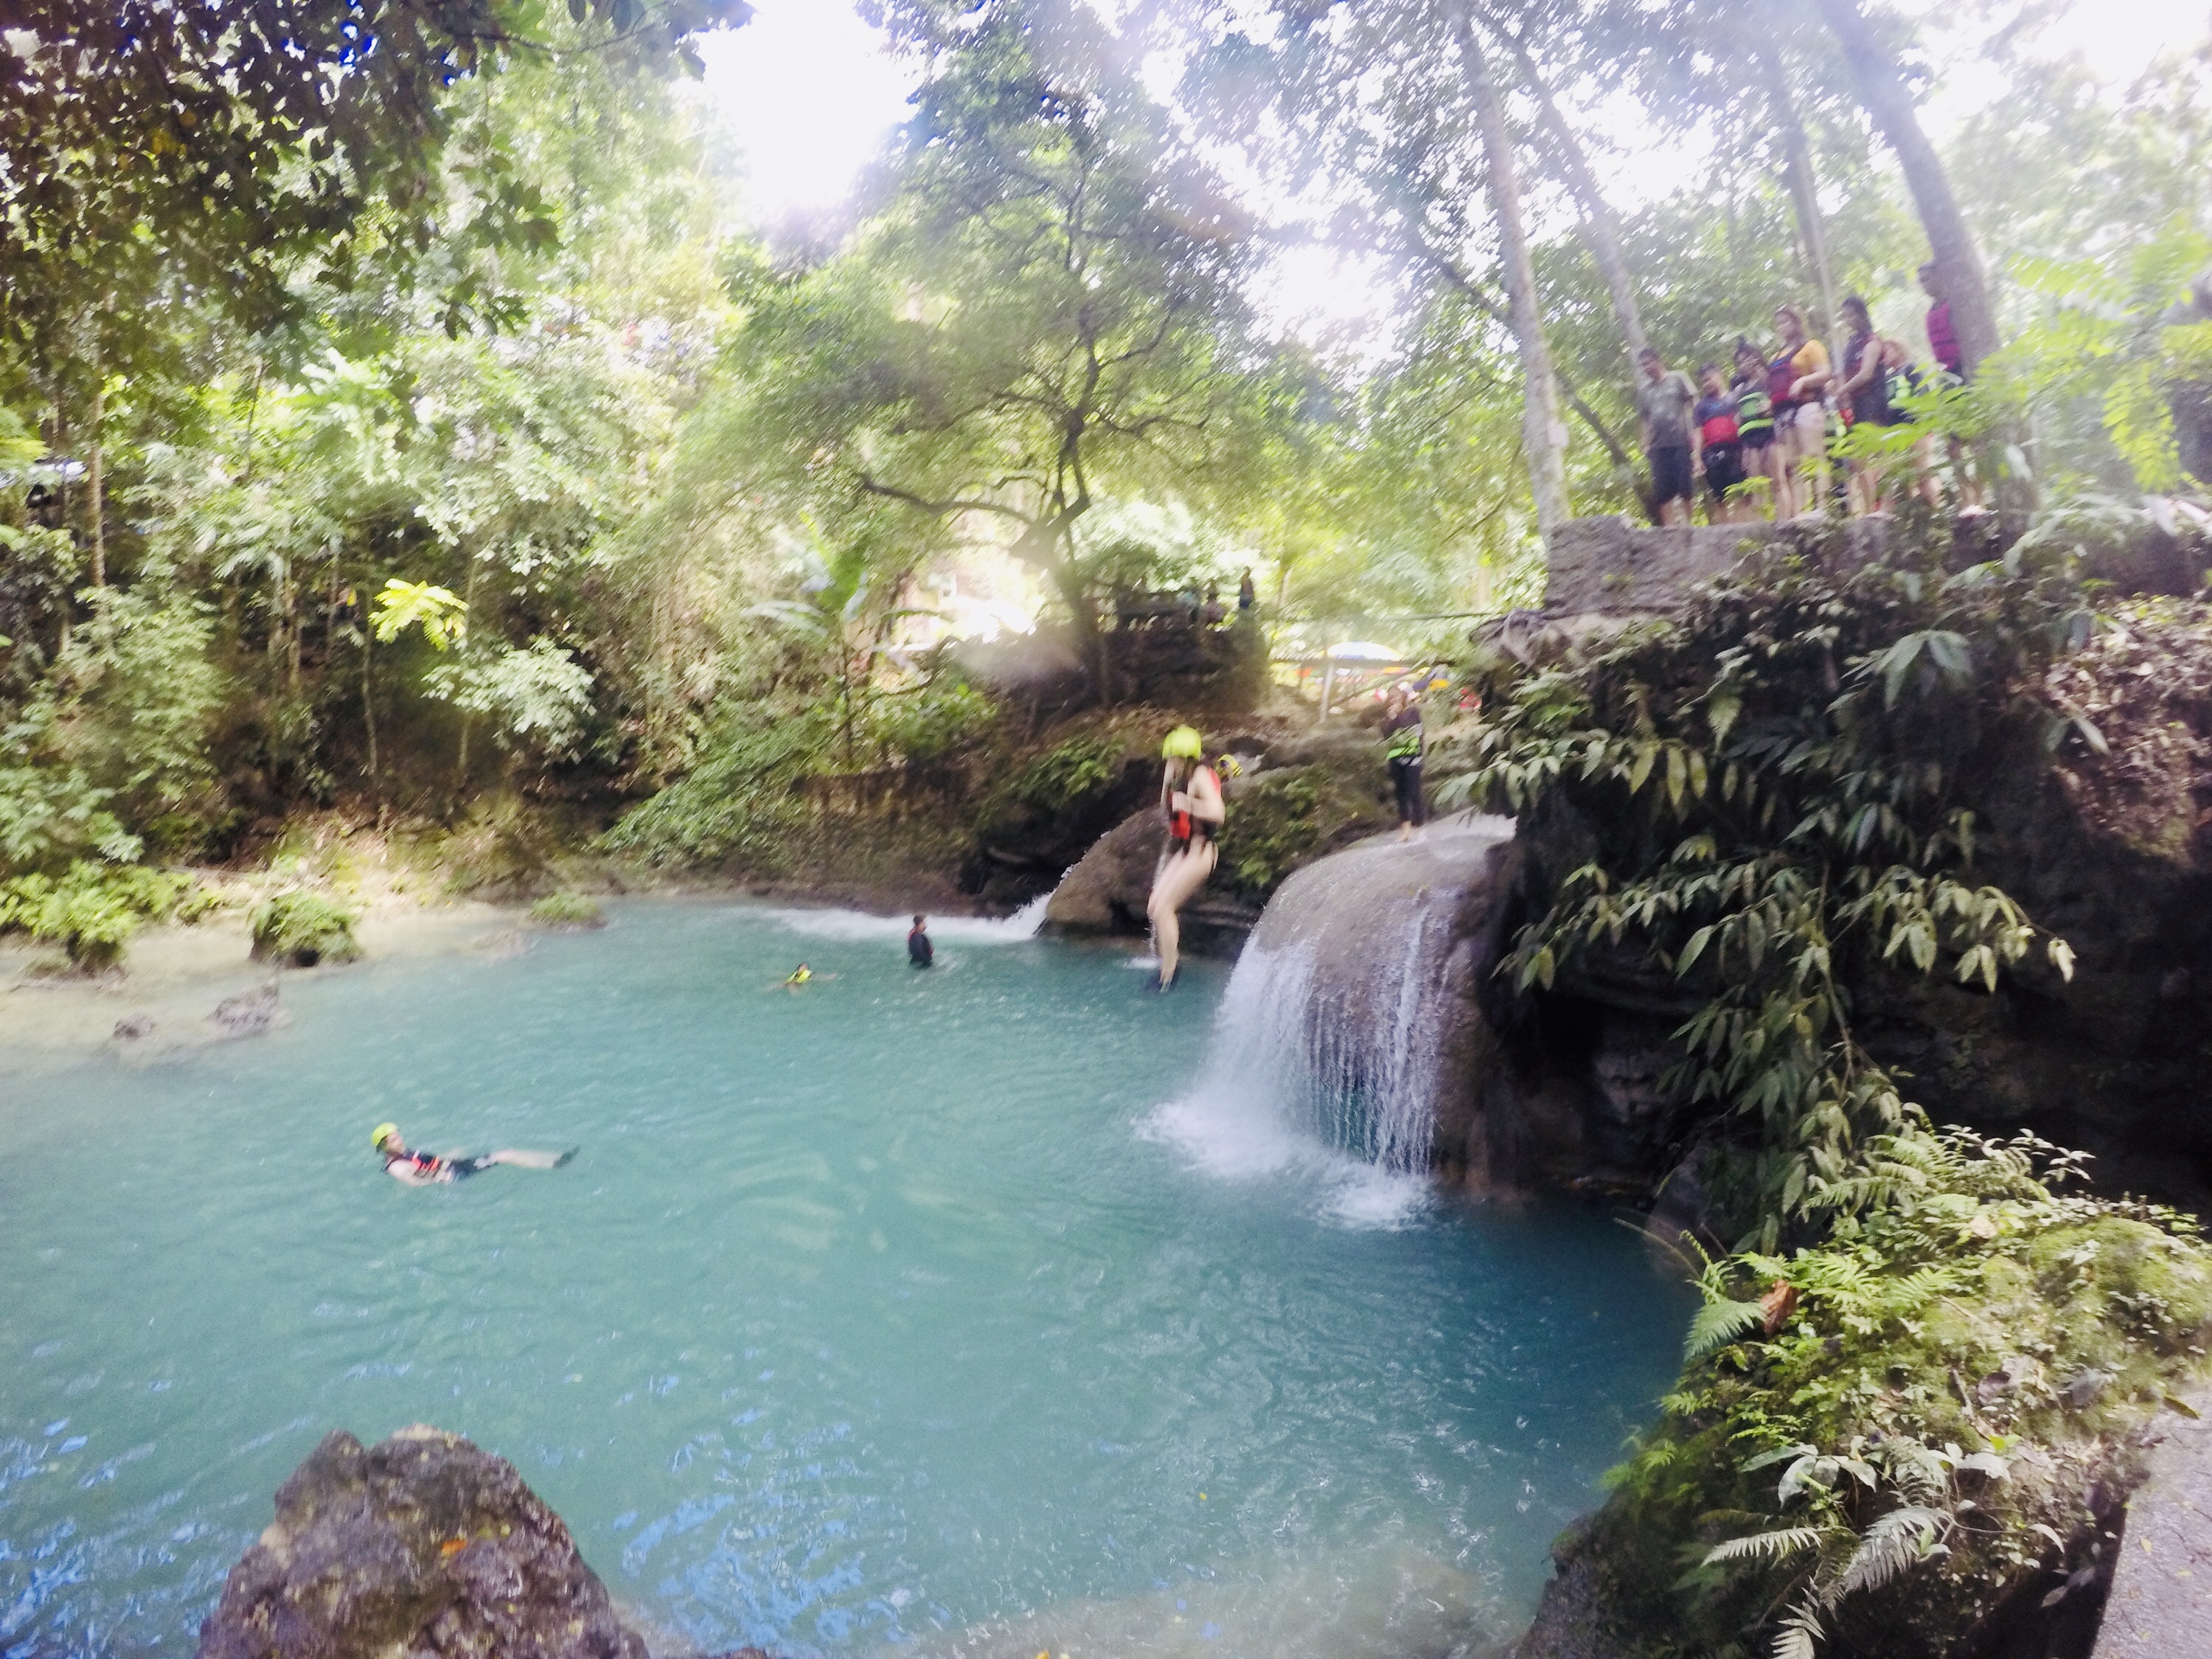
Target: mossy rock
1281,820
2039,1332
301,929
568,913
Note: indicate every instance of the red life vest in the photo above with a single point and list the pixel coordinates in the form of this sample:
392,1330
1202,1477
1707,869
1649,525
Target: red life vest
1182,826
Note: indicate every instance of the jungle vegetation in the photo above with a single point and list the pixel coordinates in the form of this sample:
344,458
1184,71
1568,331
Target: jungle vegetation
453,435
402,421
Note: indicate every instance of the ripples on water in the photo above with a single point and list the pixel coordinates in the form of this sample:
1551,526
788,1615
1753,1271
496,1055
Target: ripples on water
895,1311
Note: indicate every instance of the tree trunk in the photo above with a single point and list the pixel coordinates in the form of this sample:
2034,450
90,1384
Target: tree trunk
1601,227
368,697
1543,434
97,508
1882,91
468,611
1797,171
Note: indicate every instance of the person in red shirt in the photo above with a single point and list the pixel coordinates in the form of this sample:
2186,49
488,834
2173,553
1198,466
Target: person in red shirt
1943,346
1942,338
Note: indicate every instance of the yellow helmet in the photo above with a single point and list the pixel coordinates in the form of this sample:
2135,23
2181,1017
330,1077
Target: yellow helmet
382,1132
1183,743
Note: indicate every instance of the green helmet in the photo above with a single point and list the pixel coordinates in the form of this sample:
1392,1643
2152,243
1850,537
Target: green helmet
1182,743
382,1132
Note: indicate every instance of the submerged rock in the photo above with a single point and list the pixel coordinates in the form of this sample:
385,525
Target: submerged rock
419,1544
248,1011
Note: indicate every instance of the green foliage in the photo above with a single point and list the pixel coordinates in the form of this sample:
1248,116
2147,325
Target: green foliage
1929,1392
2099,355
568,910
114,734
935,722
136,696
1284,818
303,927
1038,318
50,811
1780,789
203,148
1066,772
539,694
92,909
740,801
442,615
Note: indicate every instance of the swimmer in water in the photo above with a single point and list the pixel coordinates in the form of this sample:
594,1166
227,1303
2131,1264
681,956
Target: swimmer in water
417,1169
1190,795
800,976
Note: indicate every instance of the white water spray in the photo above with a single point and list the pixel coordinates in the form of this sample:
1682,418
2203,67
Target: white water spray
1023,924
1343,1023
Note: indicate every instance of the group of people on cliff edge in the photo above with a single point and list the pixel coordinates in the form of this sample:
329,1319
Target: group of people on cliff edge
1759,432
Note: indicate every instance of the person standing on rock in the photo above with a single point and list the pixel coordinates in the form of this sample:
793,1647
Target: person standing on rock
1190,795
918,950
1664,399
1401,751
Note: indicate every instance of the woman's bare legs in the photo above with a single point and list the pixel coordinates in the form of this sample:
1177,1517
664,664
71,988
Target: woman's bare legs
1180,876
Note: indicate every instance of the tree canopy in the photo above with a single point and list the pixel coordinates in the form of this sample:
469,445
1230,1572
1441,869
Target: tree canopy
317,302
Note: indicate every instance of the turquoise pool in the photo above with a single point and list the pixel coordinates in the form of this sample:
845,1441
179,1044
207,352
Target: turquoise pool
894,1312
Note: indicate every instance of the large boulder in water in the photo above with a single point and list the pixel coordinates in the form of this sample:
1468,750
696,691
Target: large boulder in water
1110,885
419,1544
1107,890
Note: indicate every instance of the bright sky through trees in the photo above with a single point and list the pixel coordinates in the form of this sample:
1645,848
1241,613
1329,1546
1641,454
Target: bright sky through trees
807,94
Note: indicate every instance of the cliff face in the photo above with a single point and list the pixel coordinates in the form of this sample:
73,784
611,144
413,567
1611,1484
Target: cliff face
2110,849
1905,796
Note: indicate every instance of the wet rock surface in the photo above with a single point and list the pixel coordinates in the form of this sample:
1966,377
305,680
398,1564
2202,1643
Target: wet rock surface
420,1545
2160,1605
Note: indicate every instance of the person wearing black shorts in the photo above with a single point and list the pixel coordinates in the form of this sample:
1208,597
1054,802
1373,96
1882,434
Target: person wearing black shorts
1401,750
1754,423
1720,445
1664,398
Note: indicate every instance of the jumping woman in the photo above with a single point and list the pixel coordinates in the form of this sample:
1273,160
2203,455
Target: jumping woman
1190,795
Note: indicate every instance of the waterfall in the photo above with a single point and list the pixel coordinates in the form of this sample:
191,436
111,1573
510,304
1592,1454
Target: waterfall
1351,1014
1023,924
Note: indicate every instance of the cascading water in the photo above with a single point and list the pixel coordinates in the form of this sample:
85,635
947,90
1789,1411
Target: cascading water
1351,1014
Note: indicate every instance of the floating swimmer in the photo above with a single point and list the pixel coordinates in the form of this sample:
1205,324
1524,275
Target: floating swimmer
427,1170
800,974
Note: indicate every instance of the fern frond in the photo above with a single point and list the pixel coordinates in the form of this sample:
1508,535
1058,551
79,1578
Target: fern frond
1779,1545
1892,1546
1718,1324
1800,1632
